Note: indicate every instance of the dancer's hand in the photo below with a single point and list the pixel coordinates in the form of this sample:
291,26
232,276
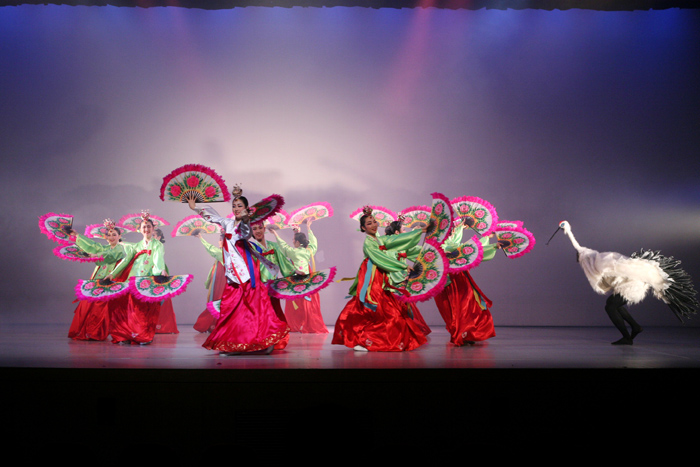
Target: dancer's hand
191,200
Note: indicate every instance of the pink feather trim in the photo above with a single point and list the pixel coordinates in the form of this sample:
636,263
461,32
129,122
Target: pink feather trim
135,292
415,208
326,205
48,233
446,200
473,264
183,221
437,288
488,206
331,276
279,202
524,231
57,251
357,213
195,168
157,220
80,296
212,309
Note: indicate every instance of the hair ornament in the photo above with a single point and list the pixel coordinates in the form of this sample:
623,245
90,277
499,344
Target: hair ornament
367,210
237,191
109,224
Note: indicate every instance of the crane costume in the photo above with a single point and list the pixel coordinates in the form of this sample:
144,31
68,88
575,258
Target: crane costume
629,278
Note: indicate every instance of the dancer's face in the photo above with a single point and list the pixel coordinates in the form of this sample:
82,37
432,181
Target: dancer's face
112,237
258,232
371,225
146,230
239,209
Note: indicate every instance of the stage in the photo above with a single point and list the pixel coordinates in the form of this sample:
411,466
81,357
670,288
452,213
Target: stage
174,400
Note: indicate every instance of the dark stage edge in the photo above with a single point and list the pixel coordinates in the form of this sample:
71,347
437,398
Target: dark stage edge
600,5
639,396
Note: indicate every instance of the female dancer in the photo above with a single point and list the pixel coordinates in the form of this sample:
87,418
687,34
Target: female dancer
397,277
166,319
91,319
215,283
277,263
247,322
462,304
135,320
303,314
374,319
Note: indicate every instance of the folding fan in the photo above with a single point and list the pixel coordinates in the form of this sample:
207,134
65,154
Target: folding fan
194,180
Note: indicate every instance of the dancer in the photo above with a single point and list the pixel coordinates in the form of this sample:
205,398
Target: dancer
374,319
462,304
216,280
247,323
91,319
398,277
166,318
277,262
303,314
134,321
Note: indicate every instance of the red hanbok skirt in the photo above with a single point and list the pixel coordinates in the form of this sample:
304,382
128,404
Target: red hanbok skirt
90,321
133,320
248,322
206,322
166,318
465,319
305,315
388,328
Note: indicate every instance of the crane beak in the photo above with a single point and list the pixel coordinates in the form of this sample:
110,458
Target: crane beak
550,238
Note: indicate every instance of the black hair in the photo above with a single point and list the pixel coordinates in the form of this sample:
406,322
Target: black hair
301,238
118,230
160,234
242,198
147,220
362,221
394,227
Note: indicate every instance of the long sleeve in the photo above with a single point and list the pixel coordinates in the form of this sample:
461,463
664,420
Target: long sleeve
158,256
386,261
489,249
280,259
403,241
214,251
455,239
299,257
236,267
110,256
313,243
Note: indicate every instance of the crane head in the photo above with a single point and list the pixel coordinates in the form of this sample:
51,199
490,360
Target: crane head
565,226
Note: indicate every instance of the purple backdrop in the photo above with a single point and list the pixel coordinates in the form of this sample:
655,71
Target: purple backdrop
581,115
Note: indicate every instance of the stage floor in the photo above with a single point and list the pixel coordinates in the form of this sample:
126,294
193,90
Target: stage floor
46,346
519,394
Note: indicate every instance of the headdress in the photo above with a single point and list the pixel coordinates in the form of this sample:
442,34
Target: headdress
237,191
366,210
109,224
401,218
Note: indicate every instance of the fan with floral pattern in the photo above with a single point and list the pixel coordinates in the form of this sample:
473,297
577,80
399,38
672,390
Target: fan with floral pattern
194,180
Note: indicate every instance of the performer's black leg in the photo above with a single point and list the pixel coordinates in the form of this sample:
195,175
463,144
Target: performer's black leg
612,306
636,328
